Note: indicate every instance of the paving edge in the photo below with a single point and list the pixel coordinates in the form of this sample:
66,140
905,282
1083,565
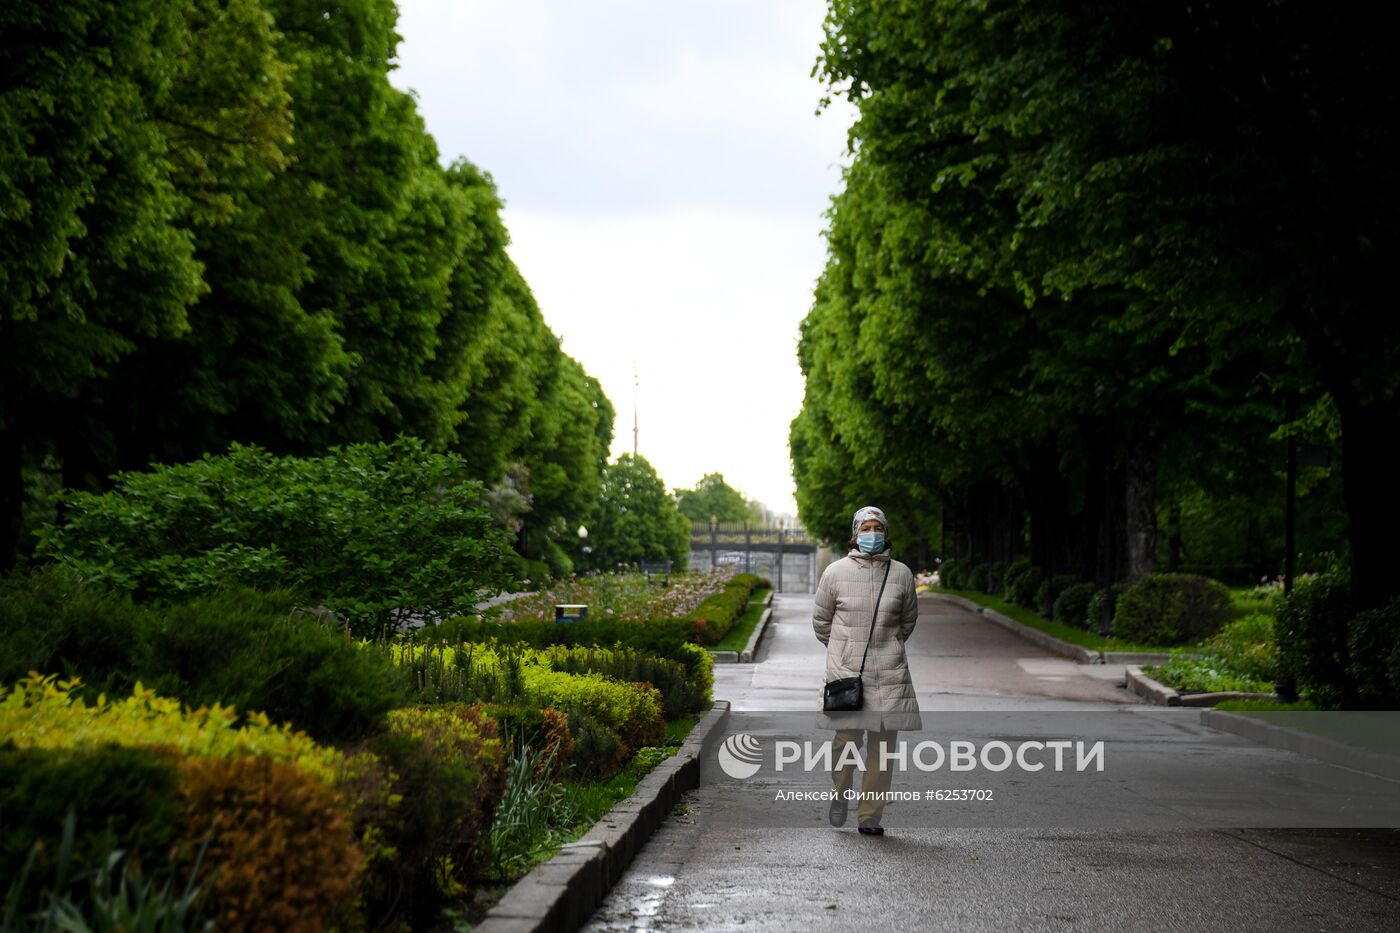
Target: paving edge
1319,747
746,656
562,893
1050,643
1151,690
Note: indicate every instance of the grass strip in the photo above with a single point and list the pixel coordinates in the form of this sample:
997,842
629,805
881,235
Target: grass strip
738,636
1070,633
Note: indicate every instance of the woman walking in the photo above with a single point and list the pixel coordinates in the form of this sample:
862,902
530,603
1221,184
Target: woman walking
867,641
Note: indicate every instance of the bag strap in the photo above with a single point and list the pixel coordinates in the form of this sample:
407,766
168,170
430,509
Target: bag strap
875,617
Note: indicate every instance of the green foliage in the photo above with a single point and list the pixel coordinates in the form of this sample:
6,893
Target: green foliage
1208,675
951,574
1094,612
635,519
375,531
1171,609
1247,646
681,692
712,499
1373,649
117,795
1024,589
714,617
448,769
1050,590
1311,631
977,578
521,831
1014,571
598,750
237,647
996,573
1072,605
665,638
111,893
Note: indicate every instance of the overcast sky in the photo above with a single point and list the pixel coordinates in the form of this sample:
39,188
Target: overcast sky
664,177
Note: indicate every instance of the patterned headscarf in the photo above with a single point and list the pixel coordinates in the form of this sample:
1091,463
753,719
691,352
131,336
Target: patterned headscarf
869,512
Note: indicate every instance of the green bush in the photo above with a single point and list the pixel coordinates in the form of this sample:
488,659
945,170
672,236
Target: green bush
1373,647
1172,609
1312,637
373,531
680,692
116,794
632,710
1026,587
238,647
59,889
1094,613
977,578
950,574
1072,605
1050,590
714,617
448,770
996,571
1013,572
598,751
1247,647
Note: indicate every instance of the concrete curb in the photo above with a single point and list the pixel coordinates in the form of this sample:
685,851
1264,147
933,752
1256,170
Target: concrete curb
1151,690
562,893
1137,657
1034,635
746,656
1304,743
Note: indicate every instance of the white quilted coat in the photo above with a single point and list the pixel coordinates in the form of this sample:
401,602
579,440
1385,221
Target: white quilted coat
841,618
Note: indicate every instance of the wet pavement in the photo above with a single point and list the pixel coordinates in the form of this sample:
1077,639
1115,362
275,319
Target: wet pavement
700,871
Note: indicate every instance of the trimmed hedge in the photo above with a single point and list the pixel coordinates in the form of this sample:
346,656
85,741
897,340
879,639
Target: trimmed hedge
242,648
714,617
1172,608
1072,606
1312,631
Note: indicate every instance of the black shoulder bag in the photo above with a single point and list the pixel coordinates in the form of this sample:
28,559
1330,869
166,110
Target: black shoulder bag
846,693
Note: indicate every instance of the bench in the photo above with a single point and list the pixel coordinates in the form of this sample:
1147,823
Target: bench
657,572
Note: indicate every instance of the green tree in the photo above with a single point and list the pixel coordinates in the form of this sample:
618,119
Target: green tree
712,498
93,259
635,519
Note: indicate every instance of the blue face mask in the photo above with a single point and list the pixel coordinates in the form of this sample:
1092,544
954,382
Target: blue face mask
871,542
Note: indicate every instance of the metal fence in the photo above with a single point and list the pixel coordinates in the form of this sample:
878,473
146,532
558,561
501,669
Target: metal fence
786,556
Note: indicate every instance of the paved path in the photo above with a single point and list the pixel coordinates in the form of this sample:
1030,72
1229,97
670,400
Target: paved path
700,872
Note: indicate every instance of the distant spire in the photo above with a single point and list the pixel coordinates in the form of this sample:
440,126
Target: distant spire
636,389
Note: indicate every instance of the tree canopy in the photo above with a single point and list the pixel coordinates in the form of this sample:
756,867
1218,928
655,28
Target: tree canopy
222,223
1083,255
635,519
713,499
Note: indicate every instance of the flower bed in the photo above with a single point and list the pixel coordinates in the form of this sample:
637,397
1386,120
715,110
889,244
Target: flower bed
618,595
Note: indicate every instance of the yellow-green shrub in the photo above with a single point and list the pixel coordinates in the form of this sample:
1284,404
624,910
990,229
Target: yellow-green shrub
44,712
633,710
282,849
447,770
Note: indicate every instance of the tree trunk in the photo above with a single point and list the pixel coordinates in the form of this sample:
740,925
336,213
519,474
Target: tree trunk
1140,507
